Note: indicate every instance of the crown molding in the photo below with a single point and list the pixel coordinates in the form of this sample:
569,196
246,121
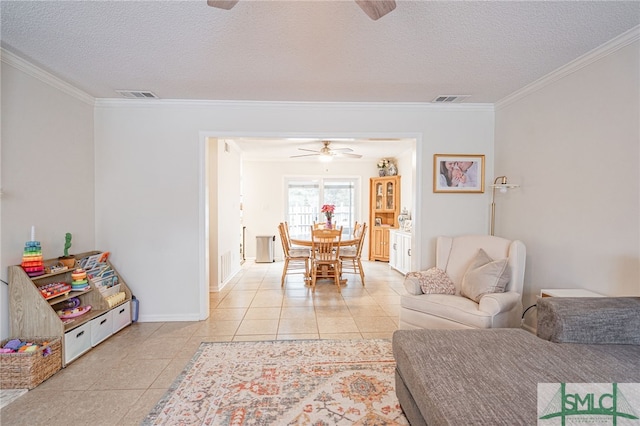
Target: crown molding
195,103
587,59
27,67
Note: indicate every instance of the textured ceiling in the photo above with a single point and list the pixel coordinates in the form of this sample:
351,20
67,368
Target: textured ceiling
308,50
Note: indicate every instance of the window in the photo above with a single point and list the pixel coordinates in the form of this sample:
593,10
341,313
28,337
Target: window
305,197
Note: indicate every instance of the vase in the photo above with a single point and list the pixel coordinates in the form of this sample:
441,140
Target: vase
328,224
382,172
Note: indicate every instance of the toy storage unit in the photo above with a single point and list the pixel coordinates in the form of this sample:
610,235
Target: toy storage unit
30,314
27,370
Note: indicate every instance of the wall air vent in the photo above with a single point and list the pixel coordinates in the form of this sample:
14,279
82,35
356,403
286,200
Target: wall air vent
450,99
137,94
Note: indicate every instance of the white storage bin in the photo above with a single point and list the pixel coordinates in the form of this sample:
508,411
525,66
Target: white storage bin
77,342
101,328
121,316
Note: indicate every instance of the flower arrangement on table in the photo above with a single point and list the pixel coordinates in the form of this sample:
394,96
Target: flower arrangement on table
328,210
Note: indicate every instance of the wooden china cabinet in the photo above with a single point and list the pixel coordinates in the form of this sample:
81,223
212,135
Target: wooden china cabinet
384,209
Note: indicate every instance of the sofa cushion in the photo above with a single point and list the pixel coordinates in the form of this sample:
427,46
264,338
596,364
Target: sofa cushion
592,320
490,377
453,308
485,275
432,281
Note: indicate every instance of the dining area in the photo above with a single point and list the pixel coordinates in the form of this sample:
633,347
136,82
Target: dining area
324,254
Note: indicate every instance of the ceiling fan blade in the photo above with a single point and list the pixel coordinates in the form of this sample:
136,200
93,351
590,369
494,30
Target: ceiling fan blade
346,154
222,4
341,150
376,9
309,150
305,155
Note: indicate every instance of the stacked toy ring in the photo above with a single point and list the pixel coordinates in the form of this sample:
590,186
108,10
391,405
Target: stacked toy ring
79,277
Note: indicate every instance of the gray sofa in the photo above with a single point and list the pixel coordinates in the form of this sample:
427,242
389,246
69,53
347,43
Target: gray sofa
490,377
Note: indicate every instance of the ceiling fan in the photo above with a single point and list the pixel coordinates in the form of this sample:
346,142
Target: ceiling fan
375,9
327,152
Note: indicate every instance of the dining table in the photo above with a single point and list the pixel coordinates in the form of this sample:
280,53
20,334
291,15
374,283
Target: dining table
306,242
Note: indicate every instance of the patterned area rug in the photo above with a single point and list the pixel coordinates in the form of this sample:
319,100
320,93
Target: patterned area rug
311,382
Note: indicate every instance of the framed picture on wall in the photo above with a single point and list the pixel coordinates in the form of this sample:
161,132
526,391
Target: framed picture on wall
458,173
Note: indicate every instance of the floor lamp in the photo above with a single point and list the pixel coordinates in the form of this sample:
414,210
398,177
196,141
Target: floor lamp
499,183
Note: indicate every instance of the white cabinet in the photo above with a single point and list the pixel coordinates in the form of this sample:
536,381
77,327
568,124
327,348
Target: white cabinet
400,251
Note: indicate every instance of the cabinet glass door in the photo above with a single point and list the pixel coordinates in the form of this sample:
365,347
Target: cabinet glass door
390,197
379,196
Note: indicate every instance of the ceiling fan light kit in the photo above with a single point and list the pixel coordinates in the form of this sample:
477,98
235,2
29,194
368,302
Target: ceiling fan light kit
375,9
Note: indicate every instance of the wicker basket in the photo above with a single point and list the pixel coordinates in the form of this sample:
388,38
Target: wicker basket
27,370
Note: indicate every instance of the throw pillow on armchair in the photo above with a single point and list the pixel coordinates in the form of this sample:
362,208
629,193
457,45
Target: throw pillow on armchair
485,275
431,281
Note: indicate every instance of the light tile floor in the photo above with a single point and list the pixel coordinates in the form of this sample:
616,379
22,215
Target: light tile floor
120,381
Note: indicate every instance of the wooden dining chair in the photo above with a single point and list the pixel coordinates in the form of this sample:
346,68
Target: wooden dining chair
325,255
352,256
356,230
296,259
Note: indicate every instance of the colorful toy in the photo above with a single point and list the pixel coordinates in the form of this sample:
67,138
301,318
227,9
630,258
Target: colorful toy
71,303
80,281
51,290
67,244
75,312
16,345
52,269
32,257
67,260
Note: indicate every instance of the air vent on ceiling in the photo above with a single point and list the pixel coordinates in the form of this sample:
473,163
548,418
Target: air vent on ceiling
448,99
137,94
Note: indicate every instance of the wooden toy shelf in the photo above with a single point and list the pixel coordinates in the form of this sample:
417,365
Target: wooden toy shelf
31,315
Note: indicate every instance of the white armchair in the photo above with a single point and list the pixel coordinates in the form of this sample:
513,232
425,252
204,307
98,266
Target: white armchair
454,255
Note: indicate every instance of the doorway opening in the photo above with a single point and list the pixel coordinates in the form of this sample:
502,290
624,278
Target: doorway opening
215,198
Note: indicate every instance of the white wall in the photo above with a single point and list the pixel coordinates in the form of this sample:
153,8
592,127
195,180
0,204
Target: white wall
407,169
573,145
227,192
47,168
148,158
